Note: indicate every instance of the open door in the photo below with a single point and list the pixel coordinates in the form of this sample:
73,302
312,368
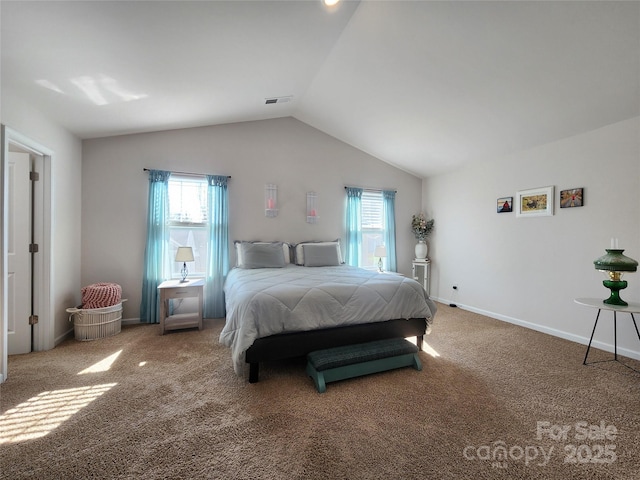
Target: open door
19,294
42,333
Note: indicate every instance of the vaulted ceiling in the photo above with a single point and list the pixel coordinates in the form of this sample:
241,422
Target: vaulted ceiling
427,86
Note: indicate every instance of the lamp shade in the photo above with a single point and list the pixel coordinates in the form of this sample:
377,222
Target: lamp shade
615,261
184,254
380,251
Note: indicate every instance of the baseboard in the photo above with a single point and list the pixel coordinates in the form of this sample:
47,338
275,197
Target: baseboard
130,321
548,330
65,336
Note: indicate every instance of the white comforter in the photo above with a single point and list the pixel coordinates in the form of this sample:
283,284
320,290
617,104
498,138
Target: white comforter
268,301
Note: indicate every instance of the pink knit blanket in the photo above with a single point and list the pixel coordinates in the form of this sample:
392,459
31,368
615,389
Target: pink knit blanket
100,295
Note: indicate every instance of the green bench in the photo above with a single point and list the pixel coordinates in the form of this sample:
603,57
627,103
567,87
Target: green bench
349,361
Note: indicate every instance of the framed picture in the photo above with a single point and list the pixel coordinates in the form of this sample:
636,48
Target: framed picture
505,204
574,197
536,202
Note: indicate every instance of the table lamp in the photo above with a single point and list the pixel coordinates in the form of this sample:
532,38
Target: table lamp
380,252
614,264
184,254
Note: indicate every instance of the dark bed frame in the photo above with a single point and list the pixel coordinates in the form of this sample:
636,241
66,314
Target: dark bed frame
298,344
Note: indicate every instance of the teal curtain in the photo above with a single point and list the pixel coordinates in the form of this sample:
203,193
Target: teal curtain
218,255
389,213
353,244
156,251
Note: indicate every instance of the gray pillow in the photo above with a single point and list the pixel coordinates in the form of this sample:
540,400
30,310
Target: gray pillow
262,255
320,255
298,250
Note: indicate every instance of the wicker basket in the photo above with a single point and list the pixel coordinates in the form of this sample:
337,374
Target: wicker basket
94,323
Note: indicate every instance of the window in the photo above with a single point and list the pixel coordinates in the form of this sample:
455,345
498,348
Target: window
370,221
373,228
191,211
188,216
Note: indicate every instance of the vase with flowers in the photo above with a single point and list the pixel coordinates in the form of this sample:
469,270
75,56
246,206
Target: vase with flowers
421,228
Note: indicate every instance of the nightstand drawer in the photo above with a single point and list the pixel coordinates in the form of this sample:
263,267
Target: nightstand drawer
182,292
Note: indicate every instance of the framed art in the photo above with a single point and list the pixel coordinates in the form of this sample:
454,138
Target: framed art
574,197
536,202
505,204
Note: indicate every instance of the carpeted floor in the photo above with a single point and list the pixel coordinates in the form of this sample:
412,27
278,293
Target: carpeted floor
499,401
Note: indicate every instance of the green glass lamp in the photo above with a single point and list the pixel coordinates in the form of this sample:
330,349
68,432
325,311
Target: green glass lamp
614,264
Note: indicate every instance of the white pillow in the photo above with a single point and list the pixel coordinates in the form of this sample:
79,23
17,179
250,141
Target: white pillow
240,261
299,248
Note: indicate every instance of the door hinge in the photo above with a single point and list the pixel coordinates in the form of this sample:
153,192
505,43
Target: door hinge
33,248
34,176
33,319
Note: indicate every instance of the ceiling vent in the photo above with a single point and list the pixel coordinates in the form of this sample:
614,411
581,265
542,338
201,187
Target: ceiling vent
272,100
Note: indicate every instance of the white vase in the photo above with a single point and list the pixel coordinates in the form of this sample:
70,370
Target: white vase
421,250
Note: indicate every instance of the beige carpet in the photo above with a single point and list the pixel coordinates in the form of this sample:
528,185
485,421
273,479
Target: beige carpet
141,405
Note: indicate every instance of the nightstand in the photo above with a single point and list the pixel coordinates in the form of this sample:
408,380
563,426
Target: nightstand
174,289
421,272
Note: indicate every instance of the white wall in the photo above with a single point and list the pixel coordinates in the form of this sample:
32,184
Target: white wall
287,152
529,270
65,197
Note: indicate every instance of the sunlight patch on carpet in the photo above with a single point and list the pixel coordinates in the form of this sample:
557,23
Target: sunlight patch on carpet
102,365
429,349
426,348
40,415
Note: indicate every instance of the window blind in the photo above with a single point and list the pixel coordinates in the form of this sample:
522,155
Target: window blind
372,210
188,200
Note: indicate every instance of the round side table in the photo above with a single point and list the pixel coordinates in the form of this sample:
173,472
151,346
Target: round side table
600,305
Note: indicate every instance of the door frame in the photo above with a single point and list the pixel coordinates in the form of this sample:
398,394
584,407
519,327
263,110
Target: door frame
43,331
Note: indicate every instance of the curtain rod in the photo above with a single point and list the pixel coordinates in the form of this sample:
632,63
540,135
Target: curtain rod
183,173
369,189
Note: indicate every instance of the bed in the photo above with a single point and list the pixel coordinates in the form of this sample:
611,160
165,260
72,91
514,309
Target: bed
281,306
